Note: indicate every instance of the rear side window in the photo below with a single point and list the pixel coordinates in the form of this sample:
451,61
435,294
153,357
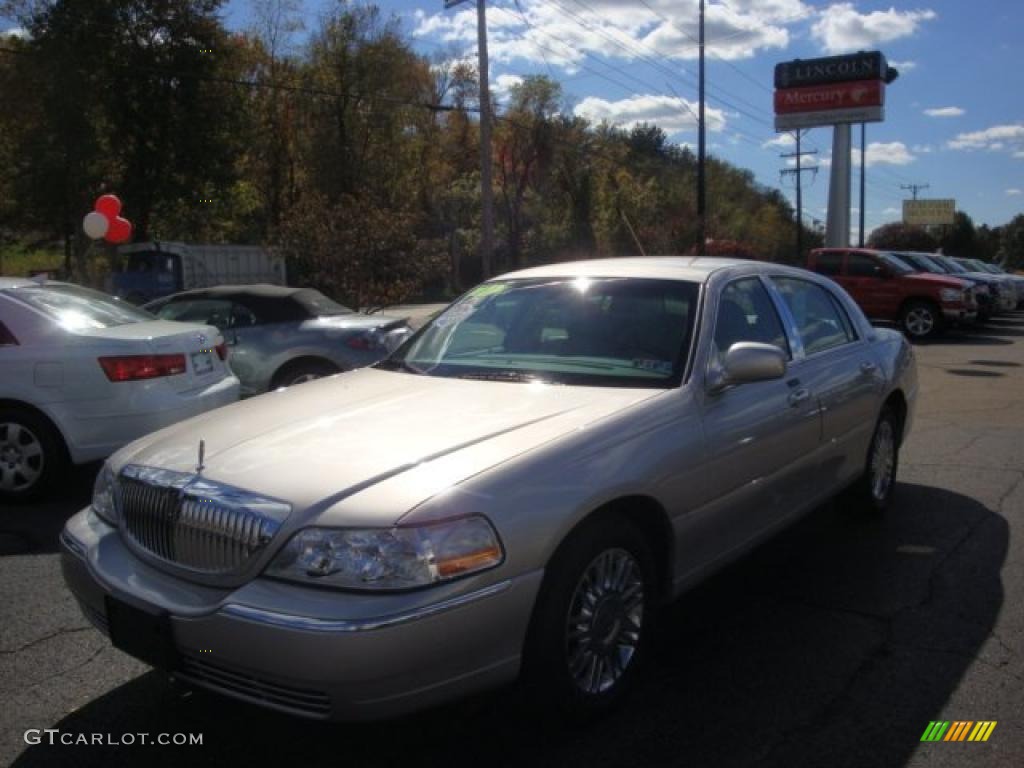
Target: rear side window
215,312
820,321
829,263
860,265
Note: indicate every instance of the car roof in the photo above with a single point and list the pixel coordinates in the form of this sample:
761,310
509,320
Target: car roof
263,290
690,268
7,283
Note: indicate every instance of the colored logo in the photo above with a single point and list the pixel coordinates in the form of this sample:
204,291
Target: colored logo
959,730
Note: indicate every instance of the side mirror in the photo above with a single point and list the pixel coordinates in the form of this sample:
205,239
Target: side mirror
746,362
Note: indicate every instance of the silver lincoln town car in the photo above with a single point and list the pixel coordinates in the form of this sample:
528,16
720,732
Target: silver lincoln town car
512,493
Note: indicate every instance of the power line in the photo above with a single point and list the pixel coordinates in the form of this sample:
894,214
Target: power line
914,188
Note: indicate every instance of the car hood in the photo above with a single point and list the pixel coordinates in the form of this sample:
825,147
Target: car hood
943,281
334,437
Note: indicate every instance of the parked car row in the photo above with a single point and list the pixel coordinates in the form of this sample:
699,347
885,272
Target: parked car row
921,293
83,373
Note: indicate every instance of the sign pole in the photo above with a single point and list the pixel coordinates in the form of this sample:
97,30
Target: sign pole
701,151
863,171
837,225
486,190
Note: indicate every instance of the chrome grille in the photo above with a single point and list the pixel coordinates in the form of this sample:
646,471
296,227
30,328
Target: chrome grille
194,523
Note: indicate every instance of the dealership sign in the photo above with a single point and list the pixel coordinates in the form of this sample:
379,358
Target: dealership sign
869,65
831,91
927,213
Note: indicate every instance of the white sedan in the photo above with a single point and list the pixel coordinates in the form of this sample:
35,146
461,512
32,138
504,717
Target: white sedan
82,374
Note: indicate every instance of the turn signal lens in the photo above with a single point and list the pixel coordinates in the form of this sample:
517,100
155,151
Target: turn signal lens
222,351
138,367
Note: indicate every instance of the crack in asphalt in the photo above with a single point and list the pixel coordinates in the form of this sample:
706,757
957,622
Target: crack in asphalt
44,638
72,668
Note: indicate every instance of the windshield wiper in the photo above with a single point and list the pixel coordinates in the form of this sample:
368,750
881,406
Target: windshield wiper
515,376
398,365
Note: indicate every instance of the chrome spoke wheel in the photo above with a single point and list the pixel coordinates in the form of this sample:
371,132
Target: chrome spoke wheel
883,460
605,620
21,457
920,321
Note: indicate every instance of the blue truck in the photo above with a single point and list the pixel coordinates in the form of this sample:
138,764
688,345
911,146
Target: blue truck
151,270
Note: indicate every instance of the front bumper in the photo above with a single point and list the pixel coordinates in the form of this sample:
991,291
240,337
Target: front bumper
331,655
959,315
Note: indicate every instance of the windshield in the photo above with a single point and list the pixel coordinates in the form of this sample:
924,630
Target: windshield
76,308
950,265
589,331
896,262
319,305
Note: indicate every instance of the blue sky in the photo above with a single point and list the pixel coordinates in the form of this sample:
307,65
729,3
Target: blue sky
954,118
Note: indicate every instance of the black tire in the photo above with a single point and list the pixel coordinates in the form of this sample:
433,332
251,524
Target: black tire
555,656
873,491
302,371
32,455
920,320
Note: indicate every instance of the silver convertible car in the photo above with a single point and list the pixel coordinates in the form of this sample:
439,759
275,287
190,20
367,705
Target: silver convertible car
512,493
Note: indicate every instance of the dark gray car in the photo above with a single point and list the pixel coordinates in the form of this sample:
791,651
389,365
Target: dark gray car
280,336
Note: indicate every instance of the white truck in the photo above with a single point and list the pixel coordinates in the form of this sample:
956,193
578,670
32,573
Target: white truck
153,269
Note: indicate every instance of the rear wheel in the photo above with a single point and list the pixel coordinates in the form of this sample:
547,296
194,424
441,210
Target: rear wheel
302,371
874,488
32,455
920,320
592,622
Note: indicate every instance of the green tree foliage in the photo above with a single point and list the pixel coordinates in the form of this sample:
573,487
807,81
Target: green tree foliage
900,237
1011,246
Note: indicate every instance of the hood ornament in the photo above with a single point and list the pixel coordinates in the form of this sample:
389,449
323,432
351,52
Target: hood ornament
202,454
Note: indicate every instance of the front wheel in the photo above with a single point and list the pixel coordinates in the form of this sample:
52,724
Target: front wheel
920,320
875,487
592,622
303,371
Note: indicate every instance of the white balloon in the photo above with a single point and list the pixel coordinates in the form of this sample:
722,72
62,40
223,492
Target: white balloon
95,225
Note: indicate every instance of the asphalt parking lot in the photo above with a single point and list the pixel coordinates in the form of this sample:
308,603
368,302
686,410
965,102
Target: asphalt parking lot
833,645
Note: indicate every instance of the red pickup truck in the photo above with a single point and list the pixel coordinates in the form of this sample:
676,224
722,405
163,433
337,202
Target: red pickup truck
887,289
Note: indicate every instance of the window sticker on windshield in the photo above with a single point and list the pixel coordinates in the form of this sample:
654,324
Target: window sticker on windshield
455,314
488,289
657,366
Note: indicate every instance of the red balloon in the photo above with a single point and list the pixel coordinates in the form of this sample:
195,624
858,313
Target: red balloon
120,230
109,206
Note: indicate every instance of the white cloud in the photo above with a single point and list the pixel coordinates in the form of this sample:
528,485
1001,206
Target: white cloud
945,112
1019,154
1012,191
904,66
885,153
19,32
503,83
782,141
563,35
891,211
664,111
840,28
922,149
995,138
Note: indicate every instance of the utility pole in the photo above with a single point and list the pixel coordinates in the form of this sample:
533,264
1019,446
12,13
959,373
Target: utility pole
863,171
701,152
798,172
914,188
486,190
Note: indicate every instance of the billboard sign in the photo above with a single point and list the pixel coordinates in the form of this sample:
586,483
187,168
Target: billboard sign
865,65
926,213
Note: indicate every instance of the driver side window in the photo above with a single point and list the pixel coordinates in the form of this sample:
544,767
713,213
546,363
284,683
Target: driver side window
746,313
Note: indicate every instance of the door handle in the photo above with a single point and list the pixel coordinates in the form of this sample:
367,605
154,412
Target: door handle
867,367
799,396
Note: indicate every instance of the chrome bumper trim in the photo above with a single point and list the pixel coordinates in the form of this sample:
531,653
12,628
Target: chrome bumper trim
71,544
308,624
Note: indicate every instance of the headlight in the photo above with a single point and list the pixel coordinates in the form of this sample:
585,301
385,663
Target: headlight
389,558
951,295
103,493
